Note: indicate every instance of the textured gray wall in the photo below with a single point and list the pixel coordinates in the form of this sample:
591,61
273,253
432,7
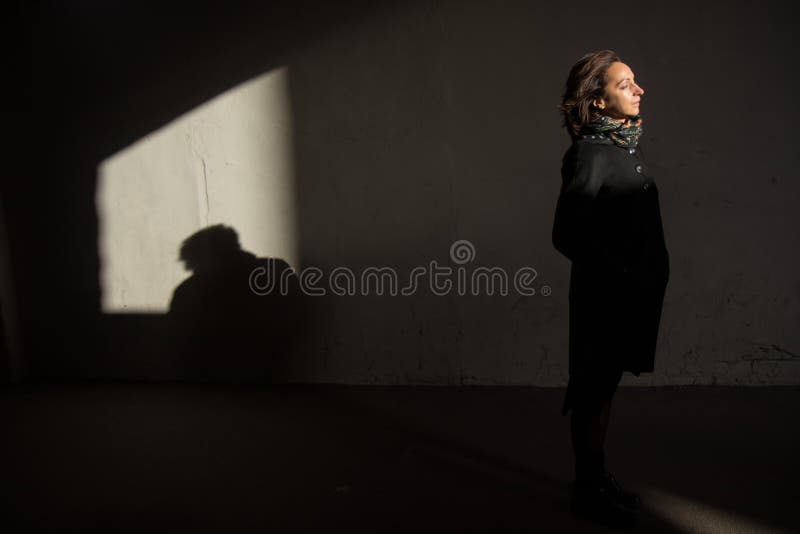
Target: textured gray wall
421,123
437,123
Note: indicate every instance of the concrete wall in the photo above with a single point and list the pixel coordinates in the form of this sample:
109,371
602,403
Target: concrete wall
404,128
228,161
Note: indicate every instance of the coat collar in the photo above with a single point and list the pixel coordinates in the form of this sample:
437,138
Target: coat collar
596,139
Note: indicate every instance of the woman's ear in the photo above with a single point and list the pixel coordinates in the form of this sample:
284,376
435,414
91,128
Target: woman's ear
598,103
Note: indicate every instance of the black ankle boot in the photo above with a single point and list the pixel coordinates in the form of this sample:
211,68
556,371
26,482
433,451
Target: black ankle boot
628,499
596,502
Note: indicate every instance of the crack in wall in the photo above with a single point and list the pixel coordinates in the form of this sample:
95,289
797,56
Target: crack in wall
203,200
786,355
205,189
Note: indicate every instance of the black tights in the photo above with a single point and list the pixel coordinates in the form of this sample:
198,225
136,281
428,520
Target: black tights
588,435
591,407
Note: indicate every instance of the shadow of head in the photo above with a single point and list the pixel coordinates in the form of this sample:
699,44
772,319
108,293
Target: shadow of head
212,249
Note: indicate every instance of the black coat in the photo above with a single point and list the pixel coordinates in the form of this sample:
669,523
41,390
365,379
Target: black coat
608,223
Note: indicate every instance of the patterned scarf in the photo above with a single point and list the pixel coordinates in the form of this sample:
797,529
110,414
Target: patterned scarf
624,132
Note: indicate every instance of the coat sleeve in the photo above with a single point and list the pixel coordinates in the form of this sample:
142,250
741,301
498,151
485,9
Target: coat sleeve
578,227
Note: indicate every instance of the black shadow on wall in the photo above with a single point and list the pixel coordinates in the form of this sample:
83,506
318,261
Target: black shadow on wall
90,80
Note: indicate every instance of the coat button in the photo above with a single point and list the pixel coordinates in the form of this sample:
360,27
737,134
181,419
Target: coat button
638,167
645,186
632,150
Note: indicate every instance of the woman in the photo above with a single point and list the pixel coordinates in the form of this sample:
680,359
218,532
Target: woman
608,223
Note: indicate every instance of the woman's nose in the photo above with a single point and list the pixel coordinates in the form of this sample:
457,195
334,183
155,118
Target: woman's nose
639,89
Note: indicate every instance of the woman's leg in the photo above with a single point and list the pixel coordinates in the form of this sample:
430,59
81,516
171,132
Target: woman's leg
596,493
591,409
589,426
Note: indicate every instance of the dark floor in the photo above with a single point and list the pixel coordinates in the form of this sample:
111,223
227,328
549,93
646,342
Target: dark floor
140,458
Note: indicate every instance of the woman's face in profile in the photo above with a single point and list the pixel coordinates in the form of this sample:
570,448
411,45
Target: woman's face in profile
622,95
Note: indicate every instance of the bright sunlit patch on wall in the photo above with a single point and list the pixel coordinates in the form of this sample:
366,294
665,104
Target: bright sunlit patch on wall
228,161
687,515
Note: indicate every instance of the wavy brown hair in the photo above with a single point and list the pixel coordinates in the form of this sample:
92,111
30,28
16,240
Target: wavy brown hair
586,81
